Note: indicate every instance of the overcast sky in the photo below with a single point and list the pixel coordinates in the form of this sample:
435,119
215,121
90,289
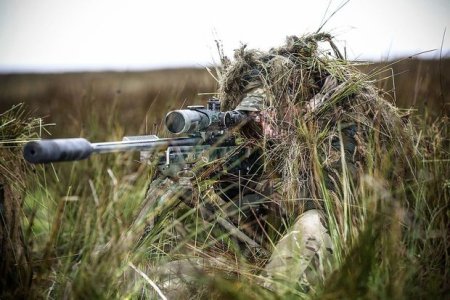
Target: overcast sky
68,35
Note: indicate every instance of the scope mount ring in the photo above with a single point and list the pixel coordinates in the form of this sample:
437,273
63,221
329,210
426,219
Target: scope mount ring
186,174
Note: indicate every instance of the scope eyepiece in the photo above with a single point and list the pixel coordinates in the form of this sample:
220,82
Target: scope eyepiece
233,118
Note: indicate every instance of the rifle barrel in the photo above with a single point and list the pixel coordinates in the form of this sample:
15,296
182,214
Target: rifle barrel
142,145
56,150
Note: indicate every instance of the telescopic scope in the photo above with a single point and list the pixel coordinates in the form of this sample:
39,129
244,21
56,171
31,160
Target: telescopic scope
200,119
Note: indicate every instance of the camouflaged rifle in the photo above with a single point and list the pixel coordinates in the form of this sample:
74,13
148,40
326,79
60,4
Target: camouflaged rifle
208,138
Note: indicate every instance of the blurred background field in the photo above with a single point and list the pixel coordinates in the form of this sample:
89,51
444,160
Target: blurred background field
135,99
138,101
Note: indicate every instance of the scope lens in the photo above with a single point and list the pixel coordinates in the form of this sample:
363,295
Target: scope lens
175,122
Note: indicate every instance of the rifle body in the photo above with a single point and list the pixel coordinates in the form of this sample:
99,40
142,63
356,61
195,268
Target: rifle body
58,150
205,126
209,140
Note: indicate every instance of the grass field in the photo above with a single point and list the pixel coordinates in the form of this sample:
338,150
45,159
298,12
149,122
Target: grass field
139,100
80,219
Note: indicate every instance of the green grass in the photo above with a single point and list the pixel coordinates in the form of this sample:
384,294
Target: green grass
84,223
80,219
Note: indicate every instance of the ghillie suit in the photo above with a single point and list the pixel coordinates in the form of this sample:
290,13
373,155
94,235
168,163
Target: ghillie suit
332,128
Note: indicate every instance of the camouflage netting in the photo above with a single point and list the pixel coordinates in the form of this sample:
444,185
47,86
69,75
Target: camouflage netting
323,109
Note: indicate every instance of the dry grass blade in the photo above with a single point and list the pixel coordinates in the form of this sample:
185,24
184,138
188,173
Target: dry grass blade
153,285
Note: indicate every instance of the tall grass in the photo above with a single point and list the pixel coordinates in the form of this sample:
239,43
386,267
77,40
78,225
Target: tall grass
83,227
85,224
